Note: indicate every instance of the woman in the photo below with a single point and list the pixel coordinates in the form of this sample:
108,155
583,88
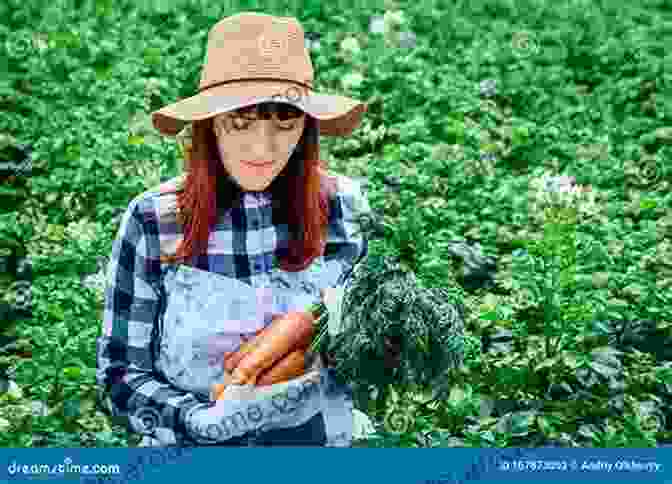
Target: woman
255,230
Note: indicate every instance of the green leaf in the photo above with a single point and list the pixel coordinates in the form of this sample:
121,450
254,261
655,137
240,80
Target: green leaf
546,363
520,136
647,204
136,140
55,311
604,370
456,396
489,316
72,372
520,423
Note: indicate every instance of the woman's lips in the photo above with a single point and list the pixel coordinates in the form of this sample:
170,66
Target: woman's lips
258,164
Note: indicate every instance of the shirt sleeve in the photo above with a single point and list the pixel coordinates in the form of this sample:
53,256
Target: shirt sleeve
346,242
132,391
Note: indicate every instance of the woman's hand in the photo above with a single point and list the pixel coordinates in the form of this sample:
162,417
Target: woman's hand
234,355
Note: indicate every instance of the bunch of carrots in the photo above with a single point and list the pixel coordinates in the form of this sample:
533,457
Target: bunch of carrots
276,353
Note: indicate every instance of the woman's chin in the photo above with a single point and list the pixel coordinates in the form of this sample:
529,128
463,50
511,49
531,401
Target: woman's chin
254,187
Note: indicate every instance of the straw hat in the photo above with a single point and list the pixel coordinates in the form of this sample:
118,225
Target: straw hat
253,58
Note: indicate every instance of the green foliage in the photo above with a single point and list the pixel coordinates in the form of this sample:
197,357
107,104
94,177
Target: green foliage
383,302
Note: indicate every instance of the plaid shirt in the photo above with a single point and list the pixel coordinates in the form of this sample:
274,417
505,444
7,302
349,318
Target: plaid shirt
129,385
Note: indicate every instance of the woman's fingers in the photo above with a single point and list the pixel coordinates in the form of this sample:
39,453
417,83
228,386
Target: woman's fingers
216,390
232,358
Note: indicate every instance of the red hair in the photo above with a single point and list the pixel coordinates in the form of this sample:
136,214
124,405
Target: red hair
300,195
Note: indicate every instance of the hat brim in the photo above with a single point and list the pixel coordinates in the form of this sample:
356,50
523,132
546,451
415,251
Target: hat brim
337,115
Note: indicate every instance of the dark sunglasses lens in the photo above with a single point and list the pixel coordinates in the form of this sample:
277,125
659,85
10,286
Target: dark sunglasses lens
288,111
284,112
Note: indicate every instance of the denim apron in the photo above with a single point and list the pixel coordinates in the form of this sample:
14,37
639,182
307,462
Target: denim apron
205,315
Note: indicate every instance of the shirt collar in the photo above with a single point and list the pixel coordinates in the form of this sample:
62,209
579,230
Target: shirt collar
246,196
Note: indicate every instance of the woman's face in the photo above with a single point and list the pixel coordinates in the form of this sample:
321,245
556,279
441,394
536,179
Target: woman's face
255,149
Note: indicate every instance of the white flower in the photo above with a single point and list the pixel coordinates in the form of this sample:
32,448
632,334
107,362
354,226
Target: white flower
95,282
350,46
83,230
562,191
153,84
39,409
333,300
393,20
552,183
377,25
14,390
407,40
488,87
362,426
352,80
312,44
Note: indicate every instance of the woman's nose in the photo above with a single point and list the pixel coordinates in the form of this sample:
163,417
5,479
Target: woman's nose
267,135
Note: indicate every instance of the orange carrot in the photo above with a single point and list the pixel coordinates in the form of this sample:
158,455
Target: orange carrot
285,334
291,366
231,360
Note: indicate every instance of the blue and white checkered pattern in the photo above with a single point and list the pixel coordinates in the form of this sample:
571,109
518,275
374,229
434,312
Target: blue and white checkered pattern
241,247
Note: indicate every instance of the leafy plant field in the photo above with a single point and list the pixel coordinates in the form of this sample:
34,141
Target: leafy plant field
538,133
